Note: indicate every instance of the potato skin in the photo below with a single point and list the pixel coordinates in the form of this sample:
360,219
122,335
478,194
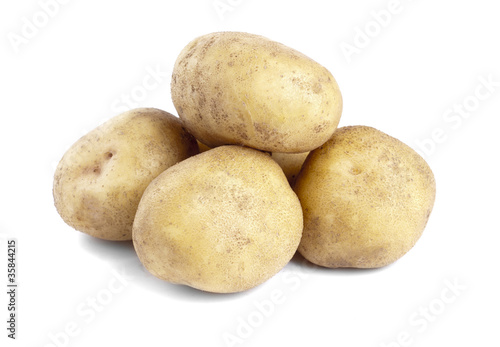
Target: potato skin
244,89
366,198
222,221
100,179
290,163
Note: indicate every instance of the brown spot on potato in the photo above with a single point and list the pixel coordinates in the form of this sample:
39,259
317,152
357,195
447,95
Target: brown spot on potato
319,128
355,171
317,88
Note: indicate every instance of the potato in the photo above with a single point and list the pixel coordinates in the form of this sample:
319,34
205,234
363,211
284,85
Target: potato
366,198
222,221
100,180
244,89
290,163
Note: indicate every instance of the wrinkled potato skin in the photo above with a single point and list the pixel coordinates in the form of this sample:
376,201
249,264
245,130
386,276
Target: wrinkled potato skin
244,89
366,198
290,163
100,179
222,221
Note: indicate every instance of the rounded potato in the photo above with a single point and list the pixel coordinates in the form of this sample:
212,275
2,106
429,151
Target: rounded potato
366,198
244,89
222,221
100,179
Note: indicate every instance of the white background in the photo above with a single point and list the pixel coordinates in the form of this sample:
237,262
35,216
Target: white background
67,74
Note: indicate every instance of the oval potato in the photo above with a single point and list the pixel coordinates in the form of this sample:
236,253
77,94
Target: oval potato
244,89
222,221
366,198
100,180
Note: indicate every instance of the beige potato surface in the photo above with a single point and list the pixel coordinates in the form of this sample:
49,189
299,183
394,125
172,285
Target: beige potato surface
366,198
222,221
290,163
100,180
244,89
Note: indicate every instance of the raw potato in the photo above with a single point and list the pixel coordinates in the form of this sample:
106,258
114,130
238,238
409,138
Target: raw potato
222,221
244,89
366,198
100,179
290,163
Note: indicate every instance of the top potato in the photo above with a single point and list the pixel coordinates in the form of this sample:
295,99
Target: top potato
239,88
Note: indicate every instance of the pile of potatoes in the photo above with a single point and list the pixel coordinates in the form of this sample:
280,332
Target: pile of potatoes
253,169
